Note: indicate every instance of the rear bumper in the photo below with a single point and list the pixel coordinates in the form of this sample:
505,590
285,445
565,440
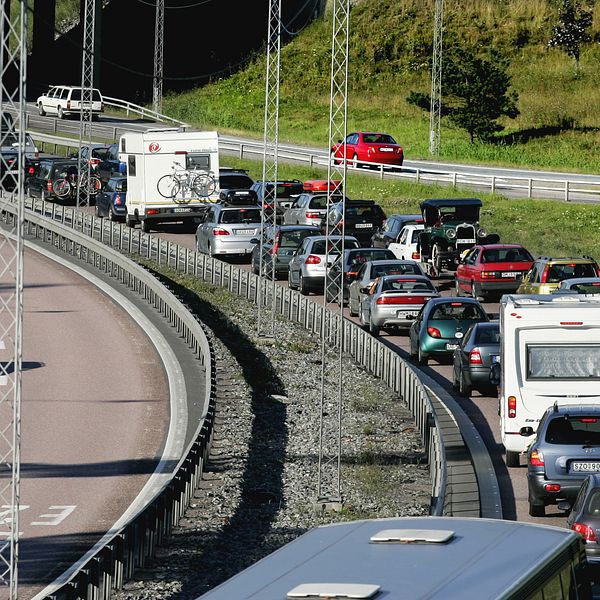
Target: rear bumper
499,286
220,246
569,488
478,376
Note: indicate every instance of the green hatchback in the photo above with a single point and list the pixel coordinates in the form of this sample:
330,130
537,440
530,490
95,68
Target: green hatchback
440,326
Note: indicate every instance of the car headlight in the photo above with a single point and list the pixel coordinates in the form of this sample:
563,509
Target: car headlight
482,232
451,233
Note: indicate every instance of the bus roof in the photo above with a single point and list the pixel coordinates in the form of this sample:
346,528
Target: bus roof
478,558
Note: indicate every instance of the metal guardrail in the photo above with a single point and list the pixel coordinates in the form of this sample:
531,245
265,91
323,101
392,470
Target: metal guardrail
144,112
132,545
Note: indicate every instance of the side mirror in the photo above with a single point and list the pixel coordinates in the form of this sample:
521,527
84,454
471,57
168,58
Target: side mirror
526,431
255,241
495,374
364,290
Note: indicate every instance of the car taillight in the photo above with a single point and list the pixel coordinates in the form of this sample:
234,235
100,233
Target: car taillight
219,231
475,356
118,200
512,407
434,332
30,170
552,487
312,260
49,185
588,533
488,274
545,273
389,299
95,161
312,215
275,246
416,256
153,211
536,459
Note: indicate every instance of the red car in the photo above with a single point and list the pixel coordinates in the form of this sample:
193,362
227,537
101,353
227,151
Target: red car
494,268
364,147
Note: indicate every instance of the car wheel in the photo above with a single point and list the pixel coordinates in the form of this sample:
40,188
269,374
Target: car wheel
454,379
373,329
457,290
254,268
145,225
209,250
422,359
463,388
97,211
512,459
302,286
111,214
355,162
333,160
351,311
129,221
41,110
291,285
537,510
436,257
59,113
474,293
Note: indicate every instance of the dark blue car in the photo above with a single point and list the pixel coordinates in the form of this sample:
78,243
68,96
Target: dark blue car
110,202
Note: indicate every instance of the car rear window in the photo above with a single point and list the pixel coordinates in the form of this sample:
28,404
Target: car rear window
378,138
586,288
574,430
564,361
558,272
240,215
240,182
101,153
406,269
285,190
506,255
292,239
488,335
320,248
362,256
414,238
318,202
407,285
457,310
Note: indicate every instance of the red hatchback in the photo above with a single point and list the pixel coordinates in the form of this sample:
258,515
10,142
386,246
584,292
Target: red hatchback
494,268
363,147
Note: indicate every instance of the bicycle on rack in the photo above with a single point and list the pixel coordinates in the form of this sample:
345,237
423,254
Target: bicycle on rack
66,187
182,185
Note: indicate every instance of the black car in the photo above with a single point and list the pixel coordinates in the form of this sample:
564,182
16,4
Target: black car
39,184
110,201
361,219
389,231
110,165
285,192
353,259
234,179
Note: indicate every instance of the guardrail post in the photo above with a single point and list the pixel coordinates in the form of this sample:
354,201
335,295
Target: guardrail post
454,175
381,172
529,188
493,184
241,150
567,199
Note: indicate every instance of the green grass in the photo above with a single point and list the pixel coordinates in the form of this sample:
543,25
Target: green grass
390,45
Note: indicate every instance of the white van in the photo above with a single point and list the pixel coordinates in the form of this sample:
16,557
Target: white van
161,165
550,352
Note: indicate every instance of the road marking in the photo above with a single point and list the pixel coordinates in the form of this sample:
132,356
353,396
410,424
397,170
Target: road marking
56,518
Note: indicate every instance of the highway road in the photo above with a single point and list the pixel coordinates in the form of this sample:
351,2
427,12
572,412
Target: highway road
95,414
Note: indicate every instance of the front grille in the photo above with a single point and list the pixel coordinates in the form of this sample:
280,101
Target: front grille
465,232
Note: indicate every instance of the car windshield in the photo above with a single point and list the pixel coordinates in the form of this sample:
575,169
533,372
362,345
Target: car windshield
240,215
292,239
563,361
558,272
457,310
378,138
379,270
575,431
506,255
406,285
334,248
362,256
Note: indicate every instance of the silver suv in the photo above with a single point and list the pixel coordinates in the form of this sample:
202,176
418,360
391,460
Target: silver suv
228,229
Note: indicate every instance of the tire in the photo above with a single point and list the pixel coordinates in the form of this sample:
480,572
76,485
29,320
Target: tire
41,110
422,359
436,258
332,159
454,379
537,510
291,285
373,329
145,226
457,290
59,113
97,211
512,459
463,388
167,186
209,250
129,221
303,287
355,162
111,214
474,293
351,312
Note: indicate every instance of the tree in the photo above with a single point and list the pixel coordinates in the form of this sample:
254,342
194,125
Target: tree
571,30
475,93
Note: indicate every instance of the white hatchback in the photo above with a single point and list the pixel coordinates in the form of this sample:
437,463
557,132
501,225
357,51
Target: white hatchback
65,100
406,245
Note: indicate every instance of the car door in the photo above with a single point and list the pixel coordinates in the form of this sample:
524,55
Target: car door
203,231
297,261
351,145
399,247
354,287
415,330
463,271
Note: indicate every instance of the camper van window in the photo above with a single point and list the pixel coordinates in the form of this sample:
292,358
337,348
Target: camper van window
198,161
563,362
131,165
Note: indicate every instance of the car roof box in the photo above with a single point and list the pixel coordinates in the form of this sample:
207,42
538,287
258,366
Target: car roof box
321,185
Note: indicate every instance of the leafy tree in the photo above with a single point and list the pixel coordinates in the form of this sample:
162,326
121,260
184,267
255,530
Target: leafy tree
475,93
571,30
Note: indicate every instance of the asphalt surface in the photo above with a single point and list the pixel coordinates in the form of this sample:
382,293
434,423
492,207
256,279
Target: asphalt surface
95,409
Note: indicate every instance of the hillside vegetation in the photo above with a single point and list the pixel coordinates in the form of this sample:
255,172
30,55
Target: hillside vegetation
390,49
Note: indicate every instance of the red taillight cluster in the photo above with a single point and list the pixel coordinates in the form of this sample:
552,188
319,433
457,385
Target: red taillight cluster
536,459
49,185
545,273
552,487
416,256
312,215
118,200
475,357
488,274
434,332
219,231
512,407
312,260
588,533
95,161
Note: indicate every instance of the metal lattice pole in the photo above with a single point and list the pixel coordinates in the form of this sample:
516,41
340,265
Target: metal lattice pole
268,199
84,167
330,426
159,28
13,57
435,113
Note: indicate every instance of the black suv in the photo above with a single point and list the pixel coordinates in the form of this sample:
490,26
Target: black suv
361,219
40,183
285,191
234,179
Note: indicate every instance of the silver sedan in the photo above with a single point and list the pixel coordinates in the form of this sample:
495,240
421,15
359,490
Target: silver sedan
395,301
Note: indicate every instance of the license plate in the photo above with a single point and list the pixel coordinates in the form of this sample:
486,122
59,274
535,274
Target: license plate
178,210
244,231
386,149
495,358
585,467
509,274
466,241
363,225
404,314
451,346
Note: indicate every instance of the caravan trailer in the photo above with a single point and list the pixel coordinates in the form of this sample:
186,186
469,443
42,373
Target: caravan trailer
550,353
156,160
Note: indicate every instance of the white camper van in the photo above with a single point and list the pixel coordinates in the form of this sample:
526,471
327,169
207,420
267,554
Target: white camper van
550,352
162,168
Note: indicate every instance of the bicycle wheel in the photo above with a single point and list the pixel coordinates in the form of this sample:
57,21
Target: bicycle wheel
204,185
167,186
94,185
61,188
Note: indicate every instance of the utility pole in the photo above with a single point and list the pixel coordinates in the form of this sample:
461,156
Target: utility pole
435,113
159,34
268,199
329,494
13,61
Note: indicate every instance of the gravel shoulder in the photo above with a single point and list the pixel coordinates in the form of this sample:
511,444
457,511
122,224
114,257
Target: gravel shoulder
258,489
